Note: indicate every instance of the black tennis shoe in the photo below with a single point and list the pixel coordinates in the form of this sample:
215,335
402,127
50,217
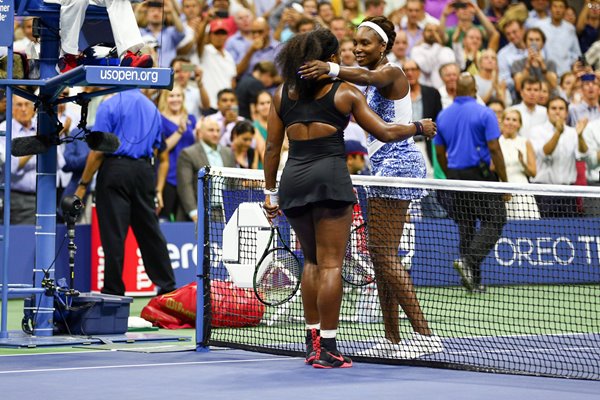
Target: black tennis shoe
326,359
313,342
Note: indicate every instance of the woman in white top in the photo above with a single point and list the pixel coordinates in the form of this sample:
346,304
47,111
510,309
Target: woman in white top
388,94
519,159
489,85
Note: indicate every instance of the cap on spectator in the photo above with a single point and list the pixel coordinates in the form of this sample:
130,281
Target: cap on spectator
218,25
588,77
355,147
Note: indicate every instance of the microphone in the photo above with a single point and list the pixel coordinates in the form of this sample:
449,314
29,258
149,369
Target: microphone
102,141
30,145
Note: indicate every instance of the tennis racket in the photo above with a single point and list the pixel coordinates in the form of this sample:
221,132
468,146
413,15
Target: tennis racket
357,269
277,274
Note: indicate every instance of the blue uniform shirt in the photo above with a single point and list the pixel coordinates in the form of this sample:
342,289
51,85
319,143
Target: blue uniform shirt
134,119
465,128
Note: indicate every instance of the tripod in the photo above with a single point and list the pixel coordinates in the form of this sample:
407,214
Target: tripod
71,207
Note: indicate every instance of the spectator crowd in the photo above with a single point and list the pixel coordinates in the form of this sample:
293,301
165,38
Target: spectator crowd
536,64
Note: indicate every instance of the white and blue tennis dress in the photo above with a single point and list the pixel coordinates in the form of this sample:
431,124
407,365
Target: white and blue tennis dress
395,159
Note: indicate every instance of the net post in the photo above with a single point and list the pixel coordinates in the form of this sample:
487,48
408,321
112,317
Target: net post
203,268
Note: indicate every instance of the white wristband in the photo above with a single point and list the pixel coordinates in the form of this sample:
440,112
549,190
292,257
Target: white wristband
334,69
273,196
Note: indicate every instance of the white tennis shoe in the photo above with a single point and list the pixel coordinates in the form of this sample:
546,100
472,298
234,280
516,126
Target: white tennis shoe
383,349
419,345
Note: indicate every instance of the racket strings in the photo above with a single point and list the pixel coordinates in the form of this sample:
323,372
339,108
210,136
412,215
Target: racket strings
357,268
278,276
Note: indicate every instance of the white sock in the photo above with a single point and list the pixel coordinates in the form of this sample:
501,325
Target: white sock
328,334
313,326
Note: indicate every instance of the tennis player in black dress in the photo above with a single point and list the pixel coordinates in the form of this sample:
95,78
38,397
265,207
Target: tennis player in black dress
315,191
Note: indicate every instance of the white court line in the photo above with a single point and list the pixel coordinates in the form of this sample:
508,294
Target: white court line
25,371
529,335
524,350
50,353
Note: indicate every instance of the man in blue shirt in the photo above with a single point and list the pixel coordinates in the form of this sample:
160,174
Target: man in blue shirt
23,169
167,36
128,189
263,48
466,142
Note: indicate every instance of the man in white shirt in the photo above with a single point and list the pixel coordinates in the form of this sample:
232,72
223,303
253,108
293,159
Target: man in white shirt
216,62
513,51
449,74
557,146
562,45
539,13
23,169
591,135
192,25
431,55
238,43
532,114
589,107
29,44
415,21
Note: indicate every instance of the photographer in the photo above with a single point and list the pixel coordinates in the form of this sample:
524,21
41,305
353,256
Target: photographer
190,78
228,114
286,26
465,12
535,65
167,35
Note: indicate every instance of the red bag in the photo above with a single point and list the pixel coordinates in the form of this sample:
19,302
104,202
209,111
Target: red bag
234,307
161,318
231,307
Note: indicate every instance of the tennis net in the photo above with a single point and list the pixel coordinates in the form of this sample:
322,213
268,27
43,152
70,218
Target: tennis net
530,308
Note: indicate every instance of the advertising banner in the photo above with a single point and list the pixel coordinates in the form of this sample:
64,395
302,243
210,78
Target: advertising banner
7,27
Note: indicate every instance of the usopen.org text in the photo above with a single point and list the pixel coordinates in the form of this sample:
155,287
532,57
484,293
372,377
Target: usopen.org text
129,75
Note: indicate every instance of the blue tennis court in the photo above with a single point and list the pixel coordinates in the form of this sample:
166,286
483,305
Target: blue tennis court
229,374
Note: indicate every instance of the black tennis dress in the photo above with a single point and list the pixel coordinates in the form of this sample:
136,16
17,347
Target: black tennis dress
316,169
